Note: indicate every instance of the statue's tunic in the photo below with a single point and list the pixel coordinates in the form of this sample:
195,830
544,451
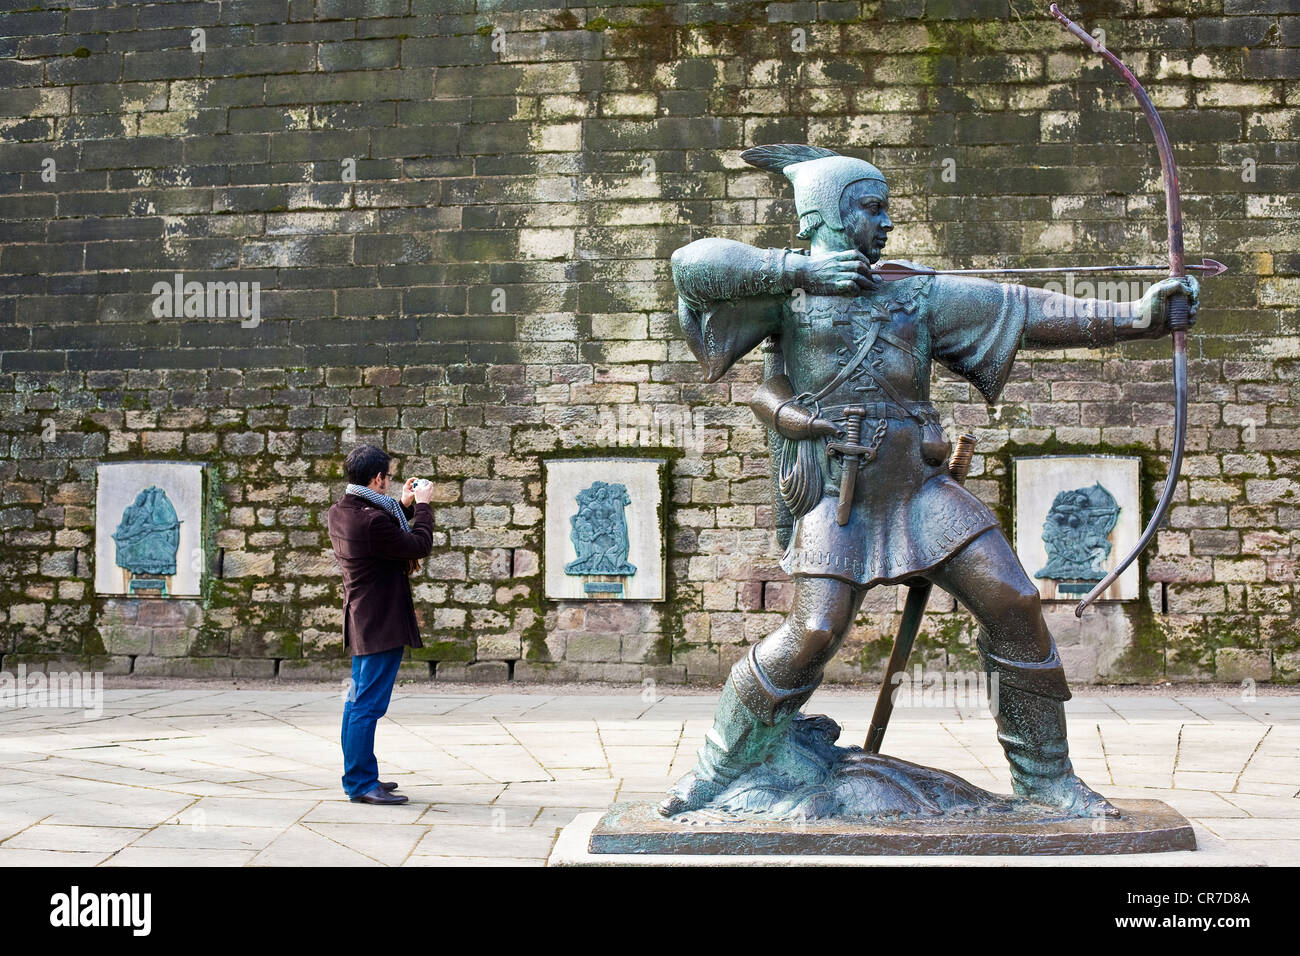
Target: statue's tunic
908,514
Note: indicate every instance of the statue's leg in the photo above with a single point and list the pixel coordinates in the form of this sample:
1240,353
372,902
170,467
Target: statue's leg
766,688
1016,647
796,653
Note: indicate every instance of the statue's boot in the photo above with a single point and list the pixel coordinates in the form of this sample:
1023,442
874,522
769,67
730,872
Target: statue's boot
752,715
1030,713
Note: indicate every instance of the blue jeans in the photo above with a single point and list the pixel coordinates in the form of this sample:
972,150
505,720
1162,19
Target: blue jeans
372,686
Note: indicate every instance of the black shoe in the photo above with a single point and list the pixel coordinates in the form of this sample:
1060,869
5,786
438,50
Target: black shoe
380,797
387,786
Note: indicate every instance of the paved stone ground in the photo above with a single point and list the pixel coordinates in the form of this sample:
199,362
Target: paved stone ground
212,776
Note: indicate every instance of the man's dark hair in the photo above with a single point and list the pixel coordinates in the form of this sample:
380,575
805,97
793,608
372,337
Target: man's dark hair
364,462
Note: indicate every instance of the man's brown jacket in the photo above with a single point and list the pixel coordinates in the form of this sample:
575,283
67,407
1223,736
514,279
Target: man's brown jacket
375,554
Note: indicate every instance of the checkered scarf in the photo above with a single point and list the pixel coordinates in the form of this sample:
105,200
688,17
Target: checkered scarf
389,504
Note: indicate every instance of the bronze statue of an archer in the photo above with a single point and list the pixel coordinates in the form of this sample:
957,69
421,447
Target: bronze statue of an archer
860,460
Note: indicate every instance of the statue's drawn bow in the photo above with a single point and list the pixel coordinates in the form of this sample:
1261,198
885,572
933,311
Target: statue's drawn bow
1178,320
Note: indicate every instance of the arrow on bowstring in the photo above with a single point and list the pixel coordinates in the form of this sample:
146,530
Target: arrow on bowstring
893,271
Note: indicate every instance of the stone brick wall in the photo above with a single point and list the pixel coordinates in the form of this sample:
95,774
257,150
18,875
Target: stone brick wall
460,215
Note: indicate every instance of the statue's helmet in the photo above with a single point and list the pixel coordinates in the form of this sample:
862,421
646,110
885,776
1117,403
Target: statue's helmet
819,176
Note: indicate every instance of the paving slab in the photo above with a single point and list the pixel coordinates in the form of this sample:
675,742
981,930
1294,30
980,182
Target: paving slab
489,816
24,857
47,836
459,861
300,846
182,836
1276,852
243,811
386,843
1254,828
1261,806
489,841
175,856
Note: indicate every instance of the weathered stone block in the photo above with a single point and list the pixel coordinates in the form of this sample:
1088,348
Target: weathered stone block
170,642
538,672
646,647
1287,666
613,672
581,646
415,671
1187,653
483,672
253,669
498,647
184,667
315,670
249,564
126,638
1233,664
701,663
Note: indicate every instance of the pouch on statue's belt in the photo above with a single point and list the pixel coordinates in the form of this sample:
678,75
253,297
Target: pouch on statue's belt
935,447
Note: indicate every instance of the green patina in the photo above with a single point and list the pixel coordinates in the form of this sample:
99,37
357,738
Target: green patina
1193,650
964,37
458,649
1145,659
656,41
533,637
951,634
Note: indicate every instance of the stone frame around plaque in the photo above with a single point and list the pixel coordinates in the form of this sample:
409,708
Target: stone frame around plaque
1094,506
150,539
604,529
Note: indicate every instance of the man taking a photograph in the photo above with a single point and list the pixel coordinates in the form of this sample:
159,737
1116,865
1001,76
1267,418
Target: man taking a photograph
378,542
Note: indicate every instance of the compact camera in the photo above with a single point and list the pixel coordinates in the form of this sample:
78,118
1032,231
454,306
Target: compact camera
419,483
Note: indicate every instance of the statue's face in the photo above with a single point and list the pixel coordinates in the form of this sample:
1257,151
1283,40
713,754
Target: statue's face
864,209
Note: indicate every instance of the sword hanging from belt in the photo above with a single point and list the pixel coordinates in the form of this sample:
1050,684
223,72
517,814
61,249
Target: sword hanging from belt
852,451
918,595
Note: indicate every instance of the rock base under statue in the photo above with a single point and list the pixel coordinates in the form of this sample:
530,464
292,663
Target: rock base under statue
810,796
1147,826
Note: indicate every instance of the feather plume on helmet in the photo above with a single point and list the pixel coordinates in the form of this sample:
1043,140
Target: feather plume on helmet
819,177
